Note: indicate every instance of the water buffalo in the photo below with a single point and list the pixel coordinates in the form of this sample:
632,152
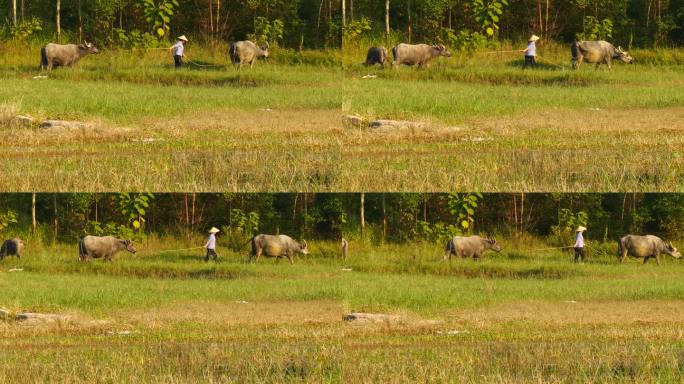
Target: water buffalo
12,247
420,54
246,52
645,246
102,246
599,52
55,55
276,246
376,55
472,246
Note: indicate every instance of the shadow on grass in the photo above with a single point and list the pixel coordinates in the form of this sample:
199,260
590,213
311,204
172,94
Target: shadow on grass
541,65
472,269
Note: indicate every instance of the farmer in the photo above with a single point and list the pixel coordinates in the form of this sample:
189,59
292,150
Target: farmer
530,52
178,50
579,244
211,245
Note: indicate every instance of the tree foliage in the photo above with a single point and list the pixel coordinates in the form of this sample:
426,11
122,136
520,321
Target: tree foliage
317,24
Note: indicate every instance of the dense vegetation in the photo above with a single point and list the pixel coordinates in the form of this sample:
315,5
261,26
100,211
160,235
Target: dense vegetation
378,218
329,23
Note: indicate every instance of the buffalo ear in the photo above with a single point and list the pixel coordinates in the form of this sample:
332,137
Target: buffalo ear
305,245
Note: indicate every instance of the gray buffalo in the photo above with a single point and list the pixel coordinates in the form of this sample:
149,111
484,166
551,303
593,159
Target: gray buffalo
419,54
598,52
472,246
55,55
102,247
646,247
12,247
376,55
246,52
277,246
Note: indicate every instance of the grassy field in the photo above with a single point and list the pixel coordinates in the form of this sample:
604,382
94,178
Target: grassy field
487,125
514,317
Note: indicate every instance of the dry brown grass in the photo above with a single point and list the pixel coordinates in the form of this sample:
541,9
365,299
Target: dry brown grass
612,313
551,342
237,314
228,150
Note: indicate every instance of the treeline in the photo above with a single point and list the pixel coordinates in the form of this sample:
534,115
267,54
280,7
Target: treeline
330,23
375,217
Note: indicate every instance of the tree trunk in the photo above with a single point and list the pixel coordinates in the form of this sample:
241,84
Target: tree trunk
80,21
218,18
387,26
211,18
351,10
22,10
58,21
546,22
192,222
344,13
515,212
362,213
318,21
541,22
384,218
54,204
14,12
409,21
34,224
522,210
187,216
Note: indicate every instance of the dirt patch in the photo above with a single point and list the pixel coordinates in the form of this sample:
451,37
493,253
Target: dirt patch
580,313
239,312
240,122
629,122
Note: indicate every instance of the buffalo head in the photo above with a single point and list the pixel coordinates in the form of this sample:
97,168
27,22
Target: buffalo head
442,50
88,47
129,246
494,245
624,56
304,248
264,47
672,251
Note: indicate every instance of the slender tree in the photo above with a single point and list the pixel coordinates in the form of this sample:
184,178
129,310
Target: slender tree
14,12
58,21
387,22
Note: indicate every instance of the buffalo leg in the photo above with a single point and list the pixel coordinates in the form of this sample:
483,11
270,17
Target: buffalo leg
646,259
657,257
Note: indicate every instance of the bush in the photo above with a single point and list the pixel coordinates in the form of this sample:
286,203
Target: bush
463,40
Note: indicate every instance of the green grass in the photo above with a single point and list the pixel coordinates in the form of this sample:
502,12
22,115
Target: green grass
522,315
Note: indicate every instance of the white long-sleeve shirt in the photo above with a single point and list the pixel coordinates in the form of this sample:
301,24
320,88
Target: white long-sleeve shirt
211,242
579,240
178,49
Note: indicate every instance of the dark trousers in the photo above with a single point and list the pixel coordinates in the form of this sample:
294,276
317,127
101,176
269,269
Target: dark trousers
178,60
579,254
211,253
530,61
